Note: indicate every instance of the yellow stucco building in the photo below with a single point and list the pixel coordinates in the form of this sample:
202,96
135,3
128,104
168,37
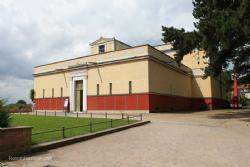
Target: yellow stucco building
117,77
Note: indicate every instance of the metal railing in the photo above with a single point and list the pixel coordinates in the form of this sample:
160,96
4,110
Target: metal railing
78,114
91,125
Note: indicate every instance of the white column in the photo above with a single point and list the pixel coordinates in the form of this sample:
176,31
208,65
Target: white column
85,93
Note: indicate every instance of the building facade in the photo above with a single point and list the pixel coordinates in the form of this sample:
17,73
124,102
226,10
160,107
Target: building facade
116,77
244,90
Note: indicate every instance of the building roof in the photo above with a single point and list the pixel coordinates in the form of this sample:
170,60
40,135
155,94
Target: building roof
244,86
104,40
128,54
163,53
101,40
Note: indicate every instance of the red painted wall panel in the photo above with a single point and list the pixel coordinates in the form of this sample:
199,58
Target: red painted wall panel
143,102
49,104
164,102
134,102
47,101
110,102
100,102
120,102
91,103
131,102
37,102
62,103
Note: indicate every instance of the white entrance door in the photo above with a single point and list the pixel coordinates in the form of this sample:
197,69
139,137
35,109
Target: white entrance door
78,91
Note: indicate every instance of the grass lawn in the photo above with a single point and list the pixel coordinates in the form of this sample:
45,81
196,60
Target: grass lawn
48,123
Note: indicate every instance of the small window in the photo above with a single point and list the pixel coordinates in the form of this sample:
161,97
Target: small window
97,90
79,85
101,48
110,88
130,87
61,92
43,93
53,92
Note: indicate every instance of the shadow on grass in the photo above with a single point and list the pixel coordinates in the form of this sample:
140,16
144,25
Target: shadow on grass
233,115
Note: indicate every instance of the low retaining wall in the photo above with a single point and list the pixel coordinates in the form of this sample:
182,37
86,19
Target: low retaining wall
15,141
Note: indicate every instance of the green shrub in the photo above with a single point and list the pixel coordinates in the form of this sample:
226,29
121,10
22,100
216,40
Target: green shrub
4,115
244,101
2,103
4,119
203,107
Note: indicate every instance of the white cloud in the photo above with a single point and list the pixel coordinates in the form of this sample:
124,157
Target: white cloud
13,88
42,31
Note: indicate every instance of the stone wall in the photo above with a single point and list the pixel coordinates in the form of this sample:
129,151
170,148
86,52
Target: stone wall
15,141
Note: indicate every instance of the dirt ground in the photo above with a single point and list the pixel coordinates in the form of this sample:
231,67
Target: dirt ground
212,139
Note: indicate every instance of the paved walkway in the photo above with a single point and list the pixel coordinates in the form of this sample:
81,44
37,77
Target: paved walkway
210,139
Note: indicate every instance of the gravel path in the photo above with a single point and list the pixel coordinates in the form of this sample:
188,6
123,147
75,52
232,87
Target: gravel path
210,139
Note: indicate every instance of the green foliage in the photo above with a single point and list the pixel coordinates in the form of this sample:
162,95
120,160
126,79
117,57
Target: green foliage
222,31
21,102
15,108
183,42
20,106
227,81
32,94
244,79
4,115
4,118
2,103
244,101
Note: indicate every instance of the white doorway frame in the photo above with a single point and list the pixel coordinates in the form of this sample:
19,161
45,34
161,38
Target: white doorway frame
80,75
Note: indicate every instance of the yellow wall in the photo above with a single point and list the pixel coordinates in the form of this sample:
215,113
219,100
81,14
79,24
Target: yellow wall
94,50
119,75
184,85
164,58
47,82
146,75
191,60
160,78
128,53
201,87
167,81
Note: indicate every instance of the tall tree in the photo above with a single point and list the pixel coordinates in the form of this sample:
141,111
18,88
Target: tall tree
222,31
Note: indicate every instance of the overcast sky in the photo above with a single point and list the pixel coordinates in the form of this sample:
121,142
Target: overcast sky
34,32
